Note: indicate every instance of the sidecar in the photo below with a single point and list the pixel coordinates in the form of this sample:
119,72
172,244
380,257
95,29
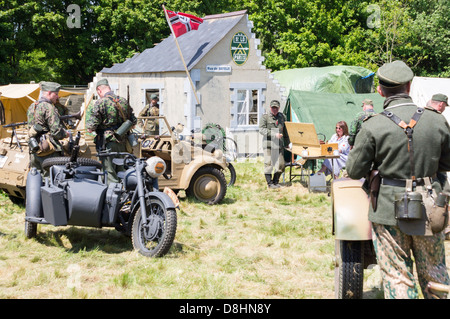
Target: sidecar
354,250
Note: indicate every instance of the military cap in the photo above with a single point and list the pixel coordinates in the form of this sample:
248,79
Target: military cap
440,98
102,82
50,86
394,74
275,103
367,102
153,97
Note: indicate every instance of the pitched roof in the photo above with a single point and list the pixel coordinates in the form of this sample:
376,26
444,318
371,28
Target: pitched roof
194,45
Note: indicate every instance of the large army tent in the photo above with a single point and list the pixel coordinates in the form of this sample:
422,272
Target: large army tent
16,98
324,110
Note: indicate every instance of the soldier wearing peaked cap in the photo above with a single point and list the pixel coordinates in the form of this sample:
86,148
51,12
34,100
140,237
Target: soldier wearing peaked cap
399,144
108,116
275,138
43,115
439,102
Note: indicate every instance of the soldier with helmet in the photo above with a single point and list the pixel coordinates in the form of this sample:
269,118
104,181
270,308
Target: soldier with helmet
407,146
45,126
150,127
107,117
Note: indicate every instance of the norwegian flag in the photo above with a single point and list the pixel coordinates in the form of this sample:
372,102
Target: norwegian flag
183,22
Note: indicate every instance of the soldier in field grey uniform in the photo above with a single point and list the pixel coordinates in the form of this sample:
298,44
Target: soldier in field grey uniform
44,114
382,144
275,138
105,117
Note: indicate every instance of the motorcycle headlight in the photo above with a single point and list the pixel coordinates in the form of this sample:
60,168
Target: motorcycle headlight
155,166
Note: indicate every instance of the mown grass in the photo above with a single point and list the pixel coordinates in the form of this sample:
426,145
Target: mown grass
258,243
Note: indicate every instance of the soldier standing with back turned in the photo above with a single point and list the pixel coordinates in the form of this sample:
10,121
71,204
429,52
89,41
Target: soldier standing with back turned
407,165
44,116
105,117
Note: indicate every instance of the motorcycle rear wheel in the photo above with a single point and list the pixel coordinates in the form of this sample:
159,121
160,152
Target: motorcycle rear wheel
156,238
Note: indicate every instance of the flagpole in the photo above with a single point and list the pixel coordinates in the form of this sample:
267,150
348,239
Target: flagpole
181,55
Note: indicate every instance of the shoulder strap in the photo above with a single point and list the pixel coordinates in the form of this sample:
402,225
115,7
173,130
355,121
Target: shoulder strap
408,129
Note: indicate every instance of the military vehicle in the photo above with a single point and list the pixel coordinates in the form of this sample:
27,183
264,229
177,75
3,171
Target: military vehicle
192,165
354,250
76,194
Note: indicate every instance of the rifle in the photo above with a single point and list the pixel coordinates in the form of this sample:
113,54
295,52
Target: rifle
14,125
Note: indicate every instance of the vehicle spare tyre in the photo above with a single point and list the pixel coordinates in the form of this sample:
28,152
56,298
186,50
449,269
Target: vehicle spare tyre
63,160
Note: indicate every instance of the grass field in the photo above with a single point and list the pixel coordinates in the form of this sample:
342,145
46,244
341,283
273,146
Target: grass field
258,243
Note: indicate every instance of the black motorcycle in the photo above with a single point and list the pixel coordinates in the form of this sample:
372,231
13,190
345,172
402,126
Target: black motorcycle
75,194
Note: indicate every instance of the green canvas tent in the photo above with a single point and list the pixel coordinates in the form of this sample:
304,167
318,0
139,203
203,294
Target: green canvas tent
330,79
324,110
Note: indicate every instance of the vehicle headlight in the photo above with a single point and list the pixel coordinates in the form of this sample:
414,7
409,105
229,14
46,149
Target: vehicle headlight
155,166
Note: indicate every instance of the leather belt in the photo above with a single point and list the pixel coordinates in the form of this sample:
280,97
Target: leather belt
402,182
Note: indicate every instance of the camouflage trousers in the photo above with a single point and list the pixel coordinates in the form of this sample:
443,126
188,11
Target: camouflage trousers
396,254
273,160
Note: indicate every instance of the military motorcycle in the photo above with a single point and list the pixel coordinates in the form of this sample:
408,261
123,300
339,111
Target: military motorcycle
76,193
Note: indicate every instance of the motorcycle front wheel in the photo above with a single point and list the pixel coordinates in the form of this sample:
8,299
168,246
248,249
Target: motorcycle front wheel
155,238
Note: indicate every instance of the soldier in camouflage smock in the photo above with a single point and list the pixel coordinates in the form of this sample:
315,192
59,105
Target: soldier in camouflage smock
355,126
275,138
44,113
382,144
104,117
151,127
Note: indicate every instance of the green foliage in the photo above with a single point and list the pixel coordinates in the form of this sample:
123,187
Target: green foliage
40,42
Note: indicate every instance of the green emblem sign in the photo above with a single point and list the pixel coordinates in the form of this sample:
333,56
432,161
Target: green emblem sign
240,48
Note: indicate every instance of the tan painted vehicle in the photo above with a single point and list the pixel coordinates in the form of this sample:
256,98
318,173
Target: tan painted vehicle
192,165
353,237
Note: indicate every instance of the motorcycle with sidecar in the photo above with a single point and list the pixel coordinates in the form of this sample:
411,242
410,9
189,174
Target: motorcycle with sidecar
75,194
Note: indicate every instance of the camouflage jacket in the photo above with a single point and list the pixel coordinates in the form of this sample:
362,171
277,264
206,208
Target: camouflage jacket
107,114
149,126
356,125
44,113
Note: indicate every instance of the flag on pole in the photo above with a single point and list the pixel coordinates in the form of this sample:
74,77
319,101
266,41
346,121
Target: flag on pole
183,22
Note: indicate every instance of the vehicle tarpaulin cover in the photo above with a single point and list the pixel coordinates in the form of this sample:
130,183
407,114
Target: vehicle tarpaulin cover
331,79
324,110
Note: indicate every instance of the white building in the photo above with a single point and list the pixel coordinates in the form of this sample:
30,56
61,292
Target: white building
231,84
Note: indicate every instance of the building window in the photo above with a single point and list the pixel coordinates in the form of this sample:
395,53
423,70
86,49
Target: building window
247,100
247,107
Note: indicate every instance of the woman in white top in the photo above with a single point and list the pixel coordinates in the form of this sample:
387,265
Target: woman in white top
341,137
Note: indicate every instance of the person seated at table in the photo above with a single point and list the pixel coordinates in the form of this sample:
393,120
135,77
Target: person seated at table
341,137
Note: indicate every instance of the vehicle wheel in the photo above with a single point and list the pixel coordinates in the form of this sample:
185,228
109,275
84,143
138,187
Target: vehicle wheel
30,229
208,185
230,175
349,271
156,238
82,161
